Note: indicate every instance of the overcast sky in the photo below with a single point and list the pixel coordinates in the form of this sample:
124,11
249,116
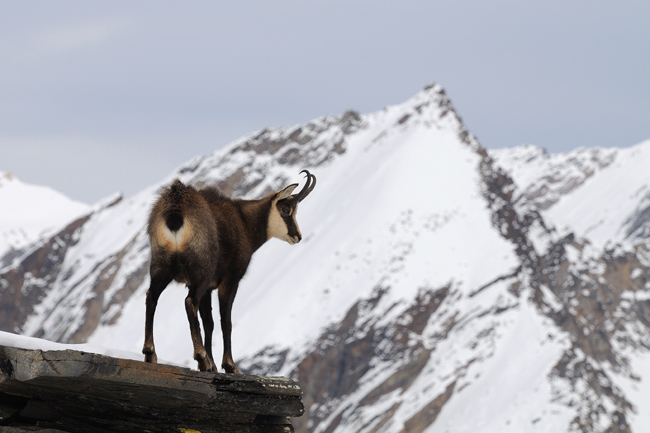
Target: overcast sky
102,96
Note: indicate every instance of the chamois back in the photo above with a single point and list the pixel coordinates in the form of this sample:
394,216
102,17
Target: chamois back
181,224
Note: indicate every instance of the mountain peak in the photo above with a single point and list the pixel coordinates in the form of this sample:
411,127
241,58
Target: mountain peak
432,108
256,163
30,211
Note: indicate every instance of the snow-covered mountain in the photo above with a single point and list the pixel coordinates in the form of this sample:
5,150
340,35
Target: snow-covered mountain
601,194
439,287
31,212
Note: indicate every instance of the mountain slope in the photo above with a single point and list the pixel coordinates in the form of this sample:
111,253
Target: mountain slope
436,287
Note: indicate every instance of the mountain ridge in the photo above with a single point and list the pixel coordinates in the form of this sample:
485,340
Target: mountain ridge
30,213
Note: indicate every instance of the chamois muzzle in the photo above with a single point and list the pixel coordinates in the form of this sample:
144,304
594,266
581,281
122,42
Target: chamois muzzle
309,186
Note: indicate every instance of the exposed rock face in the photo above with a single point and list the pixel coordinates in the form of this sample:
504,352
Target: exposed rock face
590,298
83,392
356,347
555,175
26,284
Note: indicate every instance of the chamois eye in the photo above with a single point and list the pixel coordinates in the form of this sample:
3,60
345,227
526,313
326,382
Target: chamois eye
285,210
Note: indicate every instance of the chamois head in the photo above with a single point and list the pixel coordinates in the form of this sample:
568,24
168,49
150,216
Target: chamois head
284,207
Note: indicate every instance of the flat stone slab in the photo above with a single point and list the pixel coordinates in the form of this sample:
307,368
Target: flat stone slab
85,392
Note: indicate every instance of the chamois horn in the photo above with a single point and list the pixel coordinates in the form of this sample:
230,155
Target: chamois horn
309,186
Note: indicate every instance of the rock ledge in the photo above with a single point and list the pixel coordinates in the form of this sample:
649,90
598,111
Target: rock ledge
73,391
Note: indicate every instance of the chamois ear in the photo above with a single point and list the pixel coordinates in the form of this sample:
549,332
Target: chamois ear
287,191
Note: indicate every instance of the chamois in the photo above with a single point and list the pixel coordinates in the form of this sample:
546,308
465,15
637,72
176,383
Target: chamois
204,239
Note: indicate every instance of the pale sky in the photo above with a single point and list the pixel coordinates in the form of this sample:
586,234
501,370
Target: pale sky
105,96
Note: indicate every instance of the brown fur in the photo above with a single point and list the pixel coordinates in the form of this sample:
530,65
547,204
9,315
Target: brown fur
206,240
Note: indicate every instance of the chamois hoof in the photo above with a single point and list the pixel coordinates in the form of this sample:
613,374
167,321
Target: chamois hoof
151,357
205,364
230,368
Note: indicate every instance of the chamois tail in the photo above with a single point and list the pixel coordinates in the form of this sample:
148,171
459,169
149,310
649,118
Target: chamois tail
172,229
176,195
174,221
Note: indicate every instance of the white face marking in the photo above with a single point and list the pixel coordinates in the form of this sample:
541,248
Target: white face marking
277,228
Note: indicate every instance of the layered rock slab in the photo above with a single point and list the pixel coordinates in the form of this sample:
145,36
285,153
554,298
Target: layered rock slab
84,392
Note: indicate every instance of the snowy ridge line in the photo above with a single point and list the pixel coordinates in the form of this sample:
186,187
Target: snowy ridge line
30,213
23,342
599,194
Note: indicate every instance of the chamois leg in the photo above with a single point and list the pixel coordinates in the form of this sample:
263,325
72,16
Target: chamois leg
205,308
192,308
226,297
159,280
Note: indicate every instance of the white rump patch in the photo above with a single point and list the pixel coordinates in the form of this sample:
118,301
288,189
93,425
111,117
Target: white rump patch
174,241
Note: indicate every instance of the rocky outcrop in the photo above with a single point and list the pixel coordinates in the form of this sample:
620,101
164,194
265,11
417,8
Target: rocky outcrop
74,391
362,349
26,284
556,175
590,294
